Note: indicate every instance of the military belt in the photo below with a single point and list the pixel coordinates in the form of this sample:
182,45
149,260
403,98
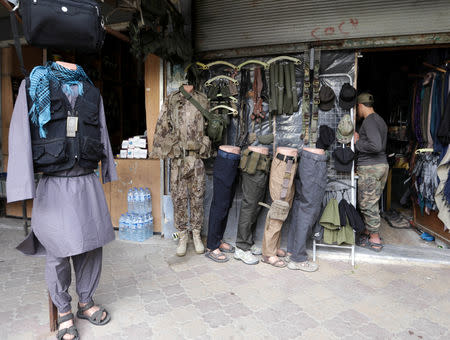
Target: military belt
285,158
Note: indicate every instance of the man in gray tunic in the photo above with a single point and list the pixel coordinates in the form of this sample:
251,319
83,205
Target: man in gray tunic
70,214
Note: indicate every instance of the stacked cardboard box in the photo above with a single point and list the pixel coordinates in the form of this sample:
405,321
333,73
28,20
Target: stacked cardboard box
135,147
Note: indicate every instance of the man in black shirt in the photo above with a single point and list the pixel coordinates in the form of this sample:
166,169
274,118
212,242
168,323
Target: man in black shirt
372,168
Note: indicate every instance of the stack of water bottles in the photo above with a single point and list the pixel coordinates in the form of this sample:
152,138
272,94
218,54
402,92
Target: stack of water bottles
137,223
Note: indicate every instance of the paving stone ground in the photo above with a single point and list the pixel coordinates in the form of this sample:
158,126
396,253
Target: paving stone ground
153,294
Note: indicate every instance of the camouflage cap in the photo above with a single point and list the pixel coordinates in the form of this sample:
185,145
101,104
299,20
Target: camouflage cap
365,98
344,131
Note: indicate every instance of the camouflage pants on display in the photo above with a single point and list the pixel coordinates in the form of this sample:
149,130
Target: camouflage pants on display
372,179
187,182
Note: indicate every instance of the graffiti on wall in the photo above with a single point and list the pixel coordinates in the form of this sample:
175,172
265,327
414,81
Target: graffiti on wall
343,29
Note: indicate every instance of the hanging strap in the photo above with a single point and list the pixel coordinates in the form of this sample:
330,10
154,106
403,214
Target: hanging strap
316,100
194,102
280,89
306,99
287,104
293,87
273,77
15,29
257,100
286,179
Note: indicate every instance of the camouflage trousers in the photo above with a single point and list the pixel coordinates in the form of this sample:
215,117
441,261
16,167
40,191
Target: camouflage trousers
187,183
372,179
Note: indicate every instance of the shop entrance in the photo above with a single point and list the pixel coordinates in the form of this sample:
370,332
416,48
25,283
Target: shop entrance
403,83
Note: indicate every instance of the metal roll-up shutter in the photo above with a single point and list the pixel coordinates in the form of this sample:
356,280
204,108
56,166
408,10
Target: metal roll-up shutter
220,24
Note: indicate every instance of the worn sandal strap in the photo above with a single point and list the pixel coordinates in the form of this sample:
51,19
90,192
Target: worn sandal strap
72,330
85,308
97,316
65,318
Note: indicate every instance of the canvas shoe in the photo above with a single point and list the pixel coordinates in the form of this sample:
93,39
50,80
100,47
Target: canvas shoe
256,250
245,256
305,266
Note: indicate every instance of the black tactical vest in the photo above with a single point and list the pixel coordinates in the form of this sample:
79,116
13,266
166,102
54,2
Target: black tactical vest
57,152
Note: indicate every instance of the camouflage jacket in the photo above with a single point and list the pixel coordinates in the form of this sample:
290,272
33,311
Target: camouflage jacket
180,128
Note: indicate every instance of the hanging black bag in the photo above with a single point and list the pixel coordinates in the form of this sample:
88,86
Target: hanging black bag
67,24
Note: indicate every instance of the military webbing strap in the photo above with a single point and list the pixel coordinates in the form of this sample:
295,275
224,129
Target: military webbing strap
306,98
293,87
286,179
280,89
316,100
287,104
194,102
273,77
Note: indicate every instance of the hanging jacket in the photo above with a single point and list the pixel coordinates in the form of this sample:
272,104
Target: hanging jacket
349,215
58,152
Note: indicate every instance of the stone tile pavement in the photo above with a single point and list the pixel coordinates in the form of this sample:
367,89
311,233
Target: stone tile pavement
153,294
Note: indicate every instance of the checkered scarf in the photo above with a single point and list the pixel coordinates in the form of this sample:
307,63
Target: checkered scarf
40,79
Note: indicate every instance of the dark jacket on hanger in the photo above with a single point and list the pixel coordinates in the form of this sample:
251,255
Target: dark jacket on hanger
346,210
444,127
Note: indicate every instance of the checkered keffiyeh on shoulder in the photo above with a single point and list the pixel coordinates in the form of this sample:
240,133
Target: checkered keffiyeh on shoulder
41,78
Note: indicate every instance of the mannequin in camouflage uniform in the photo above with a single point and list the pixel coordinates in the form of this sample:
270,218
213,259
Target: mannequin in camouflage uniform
179,135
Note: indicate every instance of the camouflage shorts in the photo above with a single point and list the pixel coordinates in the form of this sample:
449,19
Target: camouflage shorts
372,179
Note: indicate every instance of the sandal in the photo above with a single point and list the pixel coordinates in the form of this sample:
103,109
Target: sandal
278,263
72,330
365,242
216,257
96,317
282,252
225,250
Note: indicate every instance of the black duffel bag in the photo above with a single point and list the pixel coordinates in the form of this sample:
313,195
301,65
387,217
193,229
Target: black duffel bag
61,24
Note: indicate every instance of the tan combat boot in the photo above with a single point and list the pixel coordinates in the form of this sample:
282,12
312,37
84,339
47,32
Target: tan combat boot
198,244
182,242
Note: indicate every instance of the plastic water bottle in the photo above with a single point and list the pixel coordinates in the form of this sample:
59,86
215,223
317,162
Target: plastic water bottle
130,199
141,201
133,228
140,237
127,227
122,227
148,201
136,201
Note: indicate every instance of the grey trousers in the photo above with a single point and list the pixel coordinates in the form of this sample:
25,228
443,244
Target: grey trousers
87,267
253,191
309,192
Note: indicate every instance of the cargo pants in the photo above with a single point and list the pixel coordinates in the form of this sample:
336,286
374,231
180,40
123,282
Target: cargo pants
281,187
254,186
309,192
187,182
372,179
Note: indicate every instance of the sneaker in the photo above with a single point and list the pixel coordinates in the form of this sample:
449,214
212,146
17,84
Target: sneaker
256,250
305,266
245,256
